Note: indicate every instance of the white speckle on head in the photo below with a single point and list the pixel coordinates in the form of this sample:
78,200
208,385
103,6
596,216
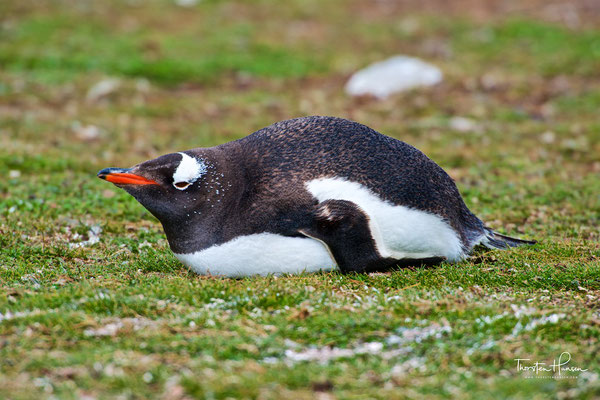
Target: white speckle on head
190,169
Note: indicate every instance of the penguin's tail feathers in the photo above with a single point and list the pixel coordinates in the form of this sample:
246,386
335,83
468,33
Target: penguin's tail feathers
494,240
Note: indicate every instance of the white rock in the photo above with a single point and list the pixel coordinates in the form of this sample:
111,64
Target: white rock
143,85
186,3
107,330
86,133
322,355
145,243
393,75
93,237
548,137
462,124
102,89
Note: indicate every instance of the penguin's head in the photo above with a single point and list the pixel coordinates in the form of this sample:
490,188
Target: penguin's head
171,187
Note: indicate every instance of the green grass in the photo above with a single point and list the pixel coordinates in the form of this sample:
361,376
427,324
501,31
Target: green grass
123,317
62,46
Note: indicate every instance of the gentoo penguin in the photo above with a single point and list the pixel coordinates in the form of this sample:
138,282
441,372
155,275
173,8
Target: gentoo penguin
307,194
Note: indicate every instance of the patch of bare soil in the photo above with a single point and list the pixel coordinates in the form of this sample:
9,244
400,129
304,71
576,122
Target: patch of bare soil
573,14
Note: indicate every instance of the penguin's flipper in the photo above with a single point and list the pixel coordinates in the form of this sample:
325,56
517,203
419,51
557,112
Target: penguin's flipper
344,227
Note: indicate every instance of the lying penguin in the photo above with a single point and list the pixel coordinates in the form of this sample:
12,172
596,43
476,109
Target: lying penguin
307,194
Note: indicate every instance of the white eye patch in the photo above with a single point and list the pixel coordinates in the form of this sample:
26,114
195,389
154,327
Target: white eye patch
188,171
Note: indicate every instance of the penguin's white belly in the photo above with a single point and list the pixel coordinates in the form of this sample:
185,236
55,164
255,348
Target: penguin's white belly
399,232
260,254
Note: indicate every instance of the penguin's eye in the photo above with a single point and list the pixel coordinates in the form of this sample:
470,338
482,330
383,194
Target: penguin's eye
181,185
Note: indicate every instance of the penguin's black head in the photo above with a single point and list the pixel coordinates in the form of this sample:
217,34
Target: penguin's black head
170,186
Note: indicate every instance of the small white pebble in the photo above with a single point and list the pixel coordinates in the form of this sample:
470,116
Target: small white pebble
147,377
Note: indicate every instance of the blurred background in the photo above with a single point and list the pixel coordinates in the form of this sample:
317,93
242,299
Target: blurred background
90,84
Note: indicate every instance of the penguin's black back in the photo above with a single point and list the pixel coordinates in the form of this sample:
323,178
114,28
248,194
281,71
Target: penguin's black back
302,149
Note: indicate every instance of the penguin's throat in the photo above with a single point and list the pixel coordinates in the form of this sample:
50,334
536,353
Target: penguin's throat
191,234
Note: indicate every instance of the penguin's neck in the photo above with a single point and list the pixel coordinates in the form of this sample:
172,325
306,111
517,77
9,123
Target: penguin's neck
192,234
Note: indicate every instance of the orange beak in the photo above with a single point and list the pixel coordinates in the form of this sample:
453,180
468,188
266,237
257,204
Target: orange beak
121,176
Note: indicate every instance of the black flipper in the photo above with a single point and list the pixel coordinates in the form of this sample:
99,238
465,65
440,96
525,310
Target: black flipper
494,240
344,227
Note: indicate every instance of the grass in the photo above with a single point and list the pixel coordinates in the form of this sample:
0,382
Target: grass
123,318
